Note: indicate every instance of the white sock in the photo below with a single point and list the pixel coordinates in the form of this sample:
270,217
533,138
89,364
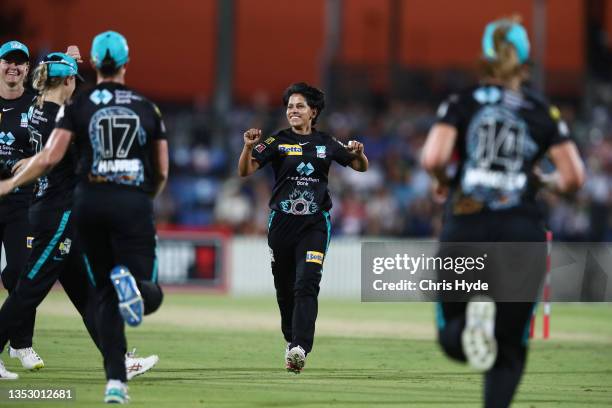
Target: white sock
114,384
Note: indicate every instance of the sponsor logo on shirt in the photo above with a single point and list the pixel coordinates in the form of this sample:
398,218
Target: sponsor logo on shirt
64,247
24,119
260,147
315,257
101,97
321,152
269,140
290,150
7,138
305,169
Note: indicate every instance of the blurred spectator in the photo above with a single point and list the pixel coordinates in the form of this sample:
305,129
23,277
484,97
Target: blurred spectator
391,199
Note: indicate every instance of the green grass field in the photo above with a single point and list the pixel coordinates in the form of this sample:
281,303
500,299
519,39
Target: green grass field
222,352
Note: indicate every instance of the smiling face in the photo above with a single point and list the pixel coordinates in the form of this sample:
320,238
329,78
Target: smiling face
299,114
14,68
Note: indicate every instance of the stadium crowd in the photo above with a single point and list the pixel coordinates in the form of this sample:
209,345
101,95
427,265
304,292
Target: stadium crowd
391,199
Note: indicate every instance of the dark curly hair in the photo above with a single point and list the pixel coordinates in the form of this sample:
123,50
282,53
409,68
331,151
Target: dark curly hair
314,97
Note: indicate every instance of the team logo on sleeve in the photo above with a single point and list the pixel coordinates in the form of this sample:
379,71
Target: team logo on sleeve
260,147
290,150
555,113
321,152
269,140
563,129
315,257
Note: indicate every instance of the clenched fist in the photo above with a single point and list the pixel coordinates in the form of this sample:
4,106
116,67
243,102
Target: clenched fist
355,147
251,137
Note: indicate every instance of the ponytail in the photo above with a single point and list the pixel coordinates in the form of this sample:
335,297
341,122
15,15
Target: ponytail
507,65
42,82
108,68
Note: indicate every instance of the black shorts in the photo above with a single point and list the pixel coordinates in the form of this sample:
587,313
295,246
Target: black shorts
54,245
116,227
493,228
287,230
511,250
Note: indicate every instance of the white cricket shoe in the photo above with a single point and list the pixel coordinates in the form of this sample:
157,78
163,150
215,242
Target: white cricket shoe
6,374
478,337
116,392
135,366
30,360
295,359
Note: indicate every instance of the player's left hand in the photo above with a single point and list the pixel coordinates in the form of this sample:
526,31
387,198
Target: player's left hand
355,147
73,51
6,187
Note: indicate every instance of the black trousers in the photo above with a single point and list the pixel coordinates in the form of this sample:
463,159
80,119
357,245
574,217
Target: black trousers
298,246
14,233
512,319
116,228
55,255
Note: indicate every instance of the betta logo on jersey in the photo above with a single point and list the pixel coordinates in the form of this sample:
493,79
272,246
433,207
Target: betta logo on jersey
315,257
290,150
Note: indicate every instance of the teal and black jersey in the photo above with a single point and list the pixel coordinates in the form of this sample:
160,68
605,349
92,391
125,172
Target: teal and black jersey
115,128
15,142
301,166
501,134
55,189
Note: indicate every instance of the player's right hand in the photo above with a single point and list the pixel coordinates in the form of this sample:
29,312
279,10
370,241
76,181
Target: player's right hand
251,137
74,52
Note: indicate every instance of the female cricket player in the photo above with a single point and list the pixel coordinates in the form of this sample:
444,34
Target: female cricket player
299,225
499,130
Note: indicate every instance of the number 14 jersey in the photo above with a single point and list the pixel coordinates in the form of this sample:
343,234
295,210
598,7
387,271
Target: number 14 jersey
501,135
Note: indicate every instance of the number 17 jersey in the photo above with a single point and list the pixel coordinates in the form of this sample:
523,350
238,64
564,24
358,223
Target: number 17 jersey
114,131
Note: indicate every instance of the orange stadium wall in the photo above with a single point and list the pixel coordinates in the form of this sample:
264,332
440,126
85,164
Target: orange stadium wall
173,44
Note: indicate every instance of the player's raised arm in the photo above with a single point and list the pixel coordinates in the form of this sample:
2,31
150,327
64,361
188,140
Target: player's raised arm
247,165
360,162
